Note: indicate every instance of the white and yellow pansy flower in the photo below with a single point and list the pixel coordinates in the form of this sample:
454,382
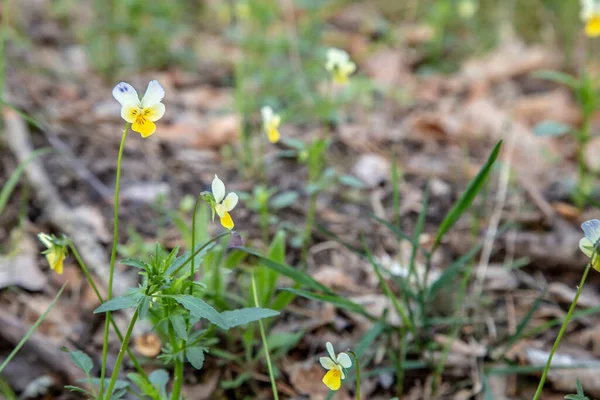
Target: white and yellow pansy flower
339,65
55,253
141,114
588,244
335,366
590,15
271,122
223,205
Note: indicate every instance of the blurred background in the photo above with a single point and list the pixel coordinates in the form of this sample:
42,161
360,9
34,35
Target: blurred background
438,84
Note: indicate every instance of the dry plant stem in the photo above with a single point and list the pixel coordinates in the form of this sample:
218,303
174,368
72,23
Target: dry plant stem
88,276
113,256
124,345
264,340
538,392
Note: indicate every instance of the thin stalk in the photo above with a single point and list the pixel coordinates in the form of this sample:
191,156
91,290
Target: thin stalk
113,256
87,274
124,345
357,363
310,218
199,250
402,360
538,392
193,243
178,373
264,341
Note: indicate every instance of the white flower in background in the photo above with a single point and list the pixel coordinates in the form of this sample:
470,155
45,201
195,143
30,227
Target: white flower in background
590,15
339,65
223,205
587,244
335,367
271,122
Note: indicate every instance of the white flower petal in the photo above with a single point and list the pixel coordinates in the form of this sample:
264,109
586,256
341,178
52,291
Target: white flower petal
218,189
329,347
125,94
591,229
343,375
220,209
267,114
154,94
586,246
45,239
230,201
155,112
344,360
327,363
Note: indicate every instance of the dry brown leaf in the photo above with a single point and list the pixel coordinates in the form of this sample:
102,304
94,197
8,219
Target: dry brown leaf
148,344
372,169
557,105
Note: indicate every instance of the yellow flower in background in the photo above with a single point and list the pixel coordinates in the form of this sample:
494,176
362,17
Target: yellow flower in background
591,229
141,114
271,122
590,15
339,65
335,366
467,8
223,205
55,252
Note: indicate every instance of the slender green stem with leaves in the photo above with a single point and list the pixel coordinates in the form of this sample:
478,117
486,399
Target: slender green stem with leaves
113,256
122,350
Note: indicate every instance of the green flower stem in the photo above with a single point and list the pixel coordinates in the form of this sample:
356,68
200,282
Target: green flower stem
538,392
194,243
124,345
264,340
87,274
199,250
357,363
113,256
178,373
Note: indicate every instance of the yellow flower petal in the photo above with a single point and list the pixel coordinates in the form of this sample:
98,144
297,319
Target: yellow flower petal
226,221
55,260
333,379
592,27
273,134
130,112
143,126
340,77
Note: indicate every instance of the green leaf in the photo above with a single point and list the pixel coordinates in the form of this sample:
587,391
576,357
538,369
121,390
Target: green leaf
296,275
244,316
267,278
201,309
465,201
82,360
195,356
185,257
9,186
237,382
145,386
351,181
558,77
551,128
119,303
369,338
159,379
133,262
284,199
179,326
77,389
338,301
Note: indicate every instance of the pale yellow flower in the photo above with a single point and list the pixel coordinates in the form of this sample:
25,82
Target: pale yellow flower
588,244
141,114
223,205
339,65
335,366
590,15
55,253
271,122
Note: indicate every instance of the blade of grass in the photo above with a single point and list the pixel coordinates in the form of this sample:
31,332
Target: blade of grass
465,201
32,329
12,182
523,324
335,300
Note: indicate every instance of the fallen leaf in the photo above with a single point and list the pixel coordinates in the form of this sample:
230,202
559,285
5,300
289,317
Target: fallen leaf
148,344
21,268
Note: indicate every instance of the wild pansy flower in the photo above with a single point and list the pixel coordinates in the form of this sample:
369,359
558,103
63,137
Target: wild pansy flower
335,366
223,205
588,244
339,65
271,122
141,114
56,251
590,15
